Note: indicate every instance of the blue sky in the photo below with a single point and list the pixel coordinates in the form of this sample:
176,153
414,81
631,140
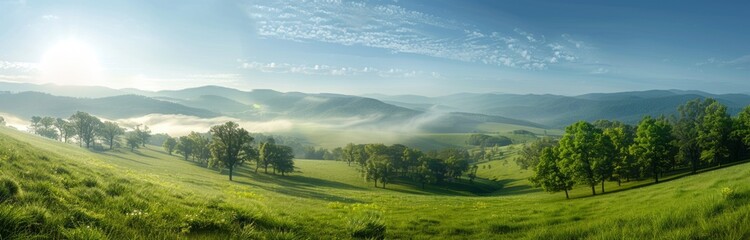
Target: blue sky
432,47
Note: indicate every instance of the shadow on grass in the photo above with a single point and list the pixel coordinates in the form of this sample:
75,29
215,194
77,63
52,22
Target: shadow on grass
293,185
110,154
670,176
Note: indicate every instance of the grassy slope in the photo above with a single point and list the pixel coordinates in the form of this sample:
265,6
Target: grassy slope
323,198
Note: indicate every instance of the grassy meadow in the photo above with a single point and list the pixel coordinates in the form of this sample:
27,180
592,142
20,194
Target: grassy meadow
64,191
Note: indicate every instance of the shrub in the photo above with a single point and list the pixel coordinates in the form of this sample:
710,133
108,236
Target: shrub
8,189
727,192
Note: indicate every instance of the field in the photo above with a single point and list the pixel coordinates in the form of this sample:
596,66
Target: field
69,192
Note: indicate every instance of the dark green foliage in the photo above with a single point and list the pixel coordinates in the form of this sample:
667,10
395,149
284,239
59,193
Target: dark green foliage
584,154
488,141
110,132
231,146
713,133
529,155
85,127
169,144
549,175
654,146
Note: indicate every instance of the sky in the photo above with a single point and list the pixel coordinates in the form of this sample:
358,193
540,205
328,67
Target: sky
424,47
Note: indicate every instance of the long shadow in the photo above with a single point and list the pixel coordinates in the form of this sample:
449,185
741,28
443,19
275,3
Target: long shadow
286,188
295,180
121,157
674,175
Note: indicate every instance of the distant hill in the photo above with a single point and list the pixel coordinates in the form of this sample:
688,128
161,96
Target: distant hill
462,112
27,104
559,111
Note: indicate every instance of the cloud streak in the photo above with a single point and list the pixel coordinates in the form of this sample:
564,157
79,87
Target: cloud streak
328,70
400,30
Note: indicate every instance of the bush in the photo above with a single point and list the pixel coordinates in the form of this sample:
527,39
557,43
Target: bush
8,189
727,192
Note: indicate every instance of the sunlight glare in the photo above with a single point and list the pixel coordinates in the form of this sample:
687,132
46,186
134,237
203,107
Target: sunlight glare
70,62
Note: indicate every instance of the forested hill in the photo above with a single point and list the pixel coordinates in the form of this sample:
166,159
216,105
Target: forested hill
346,111
558,111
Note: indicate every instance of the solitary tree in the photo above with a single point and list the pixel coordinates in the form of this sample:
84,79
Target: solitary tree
143,135
85,127
231,146
653,146
548,174
169,144
713,133
110,131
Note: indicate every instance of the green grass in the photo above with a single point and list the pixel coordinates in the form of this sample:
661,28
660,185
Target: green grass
69,192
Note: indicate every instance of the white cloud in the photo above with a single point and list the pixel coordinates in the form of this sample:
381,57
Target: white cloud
400,30
50,17
18,66
328,70
600,70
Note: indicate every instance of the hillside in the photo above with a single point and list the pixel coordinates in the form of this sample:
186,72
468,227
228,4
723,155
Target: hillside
69,192
558,111
27,104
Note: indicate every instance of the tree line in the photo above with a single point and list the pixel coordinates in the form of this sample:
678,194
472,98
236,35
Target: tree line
383,164
224,146
88,131
700,135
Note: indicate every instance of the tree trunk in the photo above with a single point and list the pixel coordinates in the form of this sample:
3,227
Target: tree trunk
593,189
566,194
265,168
619,182
376,182
656,178
231,169
602,186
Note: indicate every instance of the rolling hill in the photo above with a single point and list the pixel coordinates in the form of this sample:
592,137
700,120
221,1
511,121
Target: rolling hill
559,111
69,192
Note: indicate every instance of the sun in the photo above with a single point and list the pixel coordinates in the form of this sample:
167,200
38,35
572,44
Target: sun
70,62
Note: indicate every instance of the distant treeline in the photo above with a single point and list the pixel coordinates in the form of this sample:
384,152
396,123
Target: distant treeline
383,164
702,134
224,146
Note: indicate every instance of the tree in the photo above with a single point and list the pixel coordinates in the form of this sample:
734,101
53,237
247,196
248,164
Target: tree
44,126
713,133
548,174
623,163
169,144
143,135
654,146
231,146
348,153
185,146
529,154
65,129
266,153
580,153
2,121
85,127
109,131
379,168
283,159
743,126
201,150
472,173
133,141
686,130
